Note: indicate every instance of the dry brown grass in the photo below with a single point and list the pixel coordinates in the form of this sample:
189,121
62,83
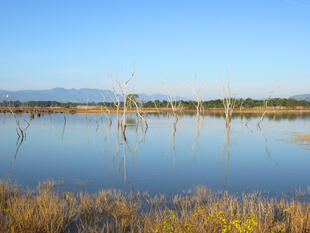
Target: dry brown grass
45,210
98,109
302,139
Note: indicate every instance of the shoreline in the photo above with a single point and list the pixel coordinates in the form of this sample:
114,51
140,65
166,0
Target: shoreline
97,110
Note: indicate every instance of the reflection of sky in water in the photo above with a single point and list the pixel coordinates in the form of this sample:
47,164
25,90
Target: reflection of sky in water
84,158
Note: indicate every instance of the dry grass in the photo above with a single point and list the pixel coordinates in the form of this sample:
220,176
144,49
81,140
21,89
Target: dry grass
303,139
45,210
98,109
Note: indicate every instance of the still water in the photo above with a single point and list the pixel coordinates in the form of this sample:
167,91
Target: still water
83,153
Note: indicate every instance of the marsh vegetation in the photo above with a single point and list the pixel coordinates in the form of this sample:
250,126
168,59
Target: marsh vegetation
199,210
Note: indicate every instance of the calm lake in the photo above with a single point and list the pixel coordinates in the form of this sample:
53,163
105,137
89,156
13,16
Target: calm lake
82,153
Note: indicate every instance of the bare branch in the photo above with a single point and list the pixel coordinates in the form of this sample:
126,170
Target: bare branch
139,111
228,102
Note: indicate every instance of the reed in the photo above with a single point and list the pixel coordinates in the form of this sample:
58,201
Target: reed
200,210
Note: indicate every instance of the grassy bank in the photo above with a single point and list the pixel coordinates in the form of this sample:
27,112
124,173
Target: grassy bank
273,105
44,210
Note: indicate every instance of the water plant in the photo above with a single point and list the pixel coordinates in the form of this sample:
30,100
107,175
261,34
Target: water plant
199,211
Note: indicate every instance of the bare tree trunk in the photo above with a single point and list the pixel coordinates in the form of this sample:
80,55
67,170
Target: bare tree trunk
107,111
265,110
20,132
124,92
139,111
228,102
117,104
198,102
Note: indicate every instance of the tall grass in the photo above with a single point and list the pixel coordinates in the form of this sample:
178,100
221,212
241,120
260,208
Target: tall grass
45,210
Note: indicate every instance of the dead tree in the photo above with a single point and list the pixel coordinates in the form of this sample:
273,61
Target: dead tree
139,111
228,102
117,103
174,108
64,127
227,150
265,110
198,101
20,132
156,107
241,105
123,88
107,111
264,113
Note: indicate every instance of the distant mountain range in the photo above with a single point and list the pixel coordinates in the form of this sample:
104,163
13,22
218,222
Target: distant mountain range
301,97
85,95
73,95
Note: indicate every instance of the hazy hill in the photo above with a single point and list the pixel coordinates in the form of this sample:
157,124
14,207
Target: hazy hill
72,95
301,97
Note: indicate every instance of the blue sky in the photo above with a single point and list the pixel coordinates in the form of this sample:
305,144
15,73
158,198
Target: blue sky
74,44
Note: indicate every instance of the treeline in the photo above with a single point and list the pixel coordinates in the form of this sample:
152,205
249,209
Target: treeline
44,104
218,103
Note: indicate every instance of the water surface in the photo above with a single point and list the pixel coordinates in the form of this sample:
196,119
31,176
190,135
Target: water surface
82,153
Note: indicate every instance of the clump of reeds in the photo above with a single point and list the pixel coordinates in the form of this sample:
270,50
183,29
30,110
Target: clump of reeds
201,210
302,139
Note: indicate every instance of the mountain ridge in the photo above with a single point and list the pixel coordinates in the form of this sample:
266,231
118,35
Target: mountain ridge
301,97
82,95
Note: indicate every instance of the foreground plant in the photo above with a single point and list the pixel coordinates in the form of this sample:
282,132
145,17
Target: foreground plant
44,210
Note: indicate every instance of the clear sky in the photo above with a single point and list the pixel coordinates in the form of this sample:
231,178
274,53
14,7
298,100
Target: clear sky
75,44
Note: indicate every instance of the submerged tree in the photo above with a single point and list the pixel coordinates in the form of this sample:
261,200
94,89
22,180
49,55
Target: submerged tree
123,90
198,100
228,101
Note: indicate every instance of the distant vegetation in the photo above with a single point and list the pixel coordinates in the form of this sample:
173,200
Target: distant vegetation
218,103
